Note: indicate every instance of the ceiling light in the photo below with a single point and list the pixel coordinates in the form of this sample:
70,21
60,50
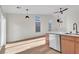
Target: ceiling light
18,7
27,17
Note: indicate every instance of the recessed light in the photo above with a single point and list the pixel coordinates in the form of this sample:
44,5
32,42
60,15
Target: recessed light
18,7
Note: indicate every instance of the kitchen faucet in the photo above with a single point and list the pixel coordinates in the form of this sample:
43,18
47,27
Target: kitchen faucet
75,27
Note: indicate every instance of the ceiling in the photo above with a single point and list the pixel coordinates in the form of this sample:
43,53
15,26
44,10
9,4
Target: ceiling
33,9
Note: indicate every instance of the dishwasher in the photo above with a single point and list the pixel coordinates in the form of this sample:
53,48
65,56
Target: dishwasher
54,41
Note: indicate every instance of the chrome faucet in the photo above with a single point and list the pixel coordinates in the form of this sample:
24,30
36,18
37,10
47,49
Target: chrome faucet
75,27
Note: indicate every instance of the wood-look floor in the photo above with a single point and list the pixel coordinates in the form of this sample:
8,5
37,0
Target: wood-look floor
35,46
44,49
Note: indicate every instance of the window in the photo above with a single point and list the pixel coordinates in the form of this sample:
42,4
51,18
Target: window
37,24
50,25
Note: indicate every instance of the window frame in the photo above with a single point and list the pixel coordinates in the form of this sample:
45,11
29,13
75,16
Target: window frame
37,24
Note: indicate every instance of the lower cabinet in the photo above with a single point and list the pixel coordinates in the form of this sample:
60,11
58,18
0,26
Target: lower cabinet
77,47
69,44
67,47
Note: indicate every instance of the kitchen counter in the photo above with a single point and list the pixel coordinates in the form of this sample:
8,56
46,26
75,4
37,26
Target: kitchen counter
70,44
66,43
63,33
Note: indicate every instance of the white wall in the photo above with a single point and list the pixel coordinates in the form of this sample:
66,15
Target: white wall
61,27
18,29
72,17
2,28
69,17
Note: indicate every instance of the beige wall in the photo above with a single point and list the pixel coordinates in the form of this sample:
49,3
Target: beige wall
18,29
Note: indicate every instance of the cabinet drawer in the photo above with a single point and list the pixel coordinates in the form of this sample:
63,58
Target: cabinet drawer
67,37
76,39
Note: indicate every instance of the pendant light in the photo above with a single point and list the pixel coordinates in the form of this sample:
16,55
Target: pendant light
59,19
27,17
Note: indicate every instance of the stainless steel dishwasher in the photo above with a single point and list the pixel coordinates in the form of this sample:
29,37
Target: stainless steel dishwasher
54,41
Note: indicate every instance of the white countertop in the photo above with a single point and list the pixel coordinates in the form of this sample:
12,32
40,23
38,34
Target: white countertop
64,33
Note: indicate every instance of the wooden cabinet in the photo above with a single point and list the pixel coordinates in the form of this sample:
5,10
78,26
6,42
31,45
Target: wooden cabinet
77,45
67,45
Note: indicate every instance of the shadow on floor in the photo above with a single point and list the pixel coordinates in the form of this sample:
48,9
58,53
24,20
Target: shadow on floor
2,51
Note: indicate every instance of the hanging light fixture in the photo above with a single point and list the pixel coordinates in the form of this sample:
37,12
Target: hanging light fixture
27,17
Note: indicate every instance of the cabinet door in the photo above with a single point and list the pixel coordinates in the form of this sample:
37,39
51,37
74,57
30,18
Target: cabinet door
77,47
67,46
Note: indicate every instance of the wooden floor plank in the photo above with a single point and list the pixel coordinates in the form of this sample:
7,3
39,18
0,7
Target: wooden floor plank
35,46
44,49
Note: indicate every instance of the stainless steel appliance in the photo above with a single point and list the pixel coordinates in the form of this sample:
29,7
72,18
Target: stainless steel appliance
54,41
